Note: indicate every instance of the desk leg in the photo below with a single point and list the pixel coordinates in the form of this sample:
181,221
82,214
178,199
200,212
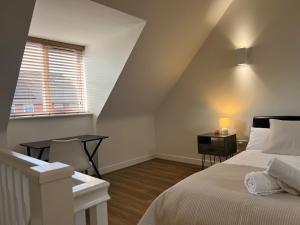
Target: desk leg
91,160
96,148
41,153
28,151
203,161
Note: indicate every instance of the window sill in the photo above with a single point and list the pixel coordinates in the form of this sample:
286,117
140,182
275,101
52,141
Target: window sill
50,116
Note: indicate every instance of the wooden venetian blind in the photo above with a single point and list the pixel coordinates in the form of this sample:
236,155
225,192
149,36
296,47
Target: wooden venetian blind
51,80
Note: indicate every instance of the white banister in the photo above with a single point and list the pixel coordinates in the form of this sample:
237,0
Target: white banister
92,194
39,193
98,214
51,199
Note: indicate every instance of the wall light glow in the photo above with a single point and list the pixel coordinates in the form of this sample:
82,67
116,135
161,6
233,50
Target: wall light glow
243,32
236,94
245,79
227,105
242,37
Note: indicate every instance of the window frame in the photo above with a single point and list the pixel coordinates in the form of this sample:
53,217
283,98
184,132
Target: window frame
48,44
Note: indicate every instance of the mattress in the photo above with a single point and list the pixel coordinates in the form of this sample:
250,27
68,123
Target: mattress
217,196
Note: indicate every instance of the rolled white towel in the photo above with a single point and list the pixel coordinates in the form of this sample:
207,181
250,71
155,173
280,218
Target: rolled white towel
285,173
260,183
287,188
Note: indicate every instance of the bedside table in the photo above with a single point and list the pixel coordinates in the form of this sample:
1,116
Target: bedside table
241,145
216,145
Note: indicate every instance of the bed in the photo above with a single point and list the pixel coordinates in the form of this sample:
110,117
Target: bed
217,196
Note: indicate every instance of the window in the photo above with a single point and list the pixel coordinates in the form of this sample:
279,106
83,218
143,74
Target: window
29,108
51,80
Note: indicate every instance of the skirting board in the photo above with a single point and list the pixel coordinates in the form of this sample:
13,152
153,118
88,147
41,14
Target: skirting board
183,159
121,165
132,162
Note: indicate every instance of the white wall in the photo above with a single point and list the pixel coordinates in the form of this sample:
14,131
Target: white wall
175,29
131,140
104,62
213,86
27,130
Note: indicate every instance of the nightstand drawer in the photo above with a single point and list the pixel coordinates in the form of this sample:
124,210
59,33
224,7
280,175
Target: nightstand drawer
215,152
210,149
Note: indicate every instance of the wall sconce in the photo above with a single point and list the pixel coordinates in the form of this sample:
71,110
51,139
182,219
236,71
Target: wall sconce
242,56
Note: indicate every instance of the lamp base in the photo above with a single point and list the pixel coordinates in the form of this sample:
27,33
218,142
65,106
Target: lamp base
224,131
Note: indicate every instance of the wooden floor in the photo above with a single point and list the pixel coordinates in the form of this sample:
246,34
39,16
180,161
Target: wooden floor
134,188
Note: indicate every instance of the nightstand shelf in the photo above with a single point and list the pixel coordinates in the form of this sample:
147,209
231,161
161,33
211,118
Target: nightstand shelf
216,145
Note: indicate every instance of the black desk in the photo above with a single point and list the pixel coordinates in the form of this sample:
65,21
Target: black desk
42,145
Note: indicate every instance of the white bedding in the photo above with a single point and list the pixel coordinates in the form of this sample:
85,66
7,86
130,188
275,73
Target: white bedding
257,158
217,196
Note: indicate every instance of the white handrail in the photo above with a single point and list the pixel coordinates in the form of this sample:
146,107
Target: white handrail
92,194
32,193
88,193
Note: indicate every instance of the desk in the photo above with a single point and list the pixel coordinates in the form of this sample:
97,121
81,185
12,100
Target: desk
42,145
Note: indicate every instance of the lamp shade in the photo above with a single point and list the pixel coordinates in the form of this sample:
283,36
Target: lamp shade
224,122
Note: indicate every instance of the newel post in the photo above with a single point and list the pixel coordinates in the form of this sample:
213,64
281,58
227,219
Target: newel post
51,197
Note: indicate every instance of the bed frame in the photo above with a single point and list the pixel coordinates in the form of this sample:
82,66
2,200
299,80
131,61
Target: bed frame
263,121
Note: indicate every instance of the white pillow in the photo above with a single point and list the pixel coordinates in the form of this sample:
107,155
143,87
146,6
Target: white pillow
284,138
258,138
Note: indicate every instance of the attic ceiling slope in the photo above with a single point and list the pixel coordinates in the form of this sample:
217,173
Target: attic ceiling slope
15,17
175,31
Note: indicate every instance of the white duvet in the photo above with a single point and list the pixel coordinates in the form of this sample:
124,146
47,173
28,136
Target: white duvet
217,197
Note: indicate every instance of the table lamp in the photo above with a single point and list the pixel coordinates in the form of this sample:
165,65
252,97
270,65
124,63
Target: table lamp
224,124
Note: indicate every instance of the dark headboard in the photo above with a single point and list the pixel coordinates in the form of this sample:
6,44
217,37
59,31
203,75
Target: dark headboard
263,121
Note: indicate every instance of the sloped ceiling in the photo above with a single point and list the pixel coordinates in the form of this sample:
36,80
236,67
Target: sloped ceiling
15,19
175,31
